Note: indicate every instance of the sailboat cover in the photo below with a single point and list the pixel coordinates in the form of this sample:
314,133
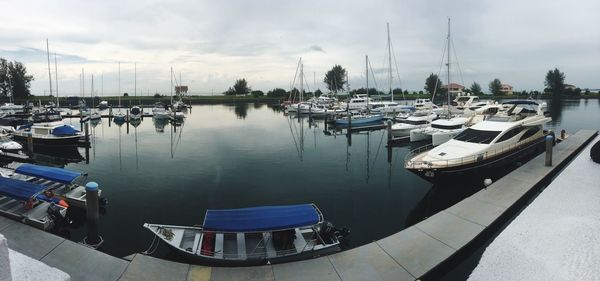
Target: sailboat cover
49,173
20,190
262,218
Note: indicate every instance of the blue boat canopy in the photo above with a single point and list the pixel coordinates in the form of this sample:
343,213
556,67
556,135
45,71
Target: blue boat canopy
267,218
20,190
49,173
64,130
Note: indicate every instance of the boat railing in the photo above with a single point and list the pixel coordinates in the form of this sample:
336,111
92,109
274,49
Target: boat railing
409,163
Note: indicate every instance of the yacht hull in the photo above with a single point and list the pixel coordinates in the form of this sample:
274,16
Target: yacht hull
484,168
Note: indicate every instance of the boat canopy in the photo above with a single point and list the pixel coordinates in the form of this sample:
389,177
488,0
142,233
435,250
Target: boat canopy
49,173
262,218
64,130
20,190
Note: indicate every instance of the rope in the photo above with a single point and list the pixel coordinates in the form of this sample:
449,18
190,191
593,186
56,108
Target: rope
151,251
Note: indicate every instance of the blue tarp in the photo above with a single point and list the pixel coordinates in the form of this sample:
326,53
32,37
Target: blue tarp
20,190
49,173
261,218
65,130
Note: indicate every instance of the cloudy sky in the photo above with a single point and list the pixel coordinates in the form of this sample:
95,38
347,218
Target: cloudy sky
212,43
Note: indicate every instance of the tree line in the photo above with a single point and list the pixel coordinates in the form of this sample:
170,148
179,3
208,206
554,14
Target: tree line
14,80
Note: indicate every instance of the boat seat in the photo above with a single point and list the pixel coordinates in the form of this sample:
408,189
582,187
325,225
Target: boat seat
219,245
299,242
241,246
268,241
196,244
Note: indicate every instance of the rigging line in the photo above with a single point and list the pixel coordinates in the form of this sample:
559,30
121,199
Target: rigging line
457,64
374,80
294,81
439,71
397,71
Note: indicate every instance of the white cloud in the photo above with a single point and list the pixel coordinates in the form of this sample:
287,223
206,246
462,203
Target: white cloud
212,43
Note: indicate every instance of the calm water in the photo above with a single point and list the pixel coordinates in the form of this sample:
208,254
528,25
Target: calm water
227,156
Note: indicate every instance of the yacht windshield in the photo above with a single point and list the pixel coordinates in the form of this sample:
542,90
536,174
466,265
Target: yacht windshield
446,127
477,136
413,122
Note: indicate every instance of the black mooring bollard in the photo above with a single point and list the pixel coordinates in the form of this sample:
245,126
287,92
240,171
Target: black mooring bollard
92,239
549,146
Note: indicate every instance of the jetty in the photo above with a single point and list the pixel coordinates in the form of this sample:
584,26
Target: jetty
421,251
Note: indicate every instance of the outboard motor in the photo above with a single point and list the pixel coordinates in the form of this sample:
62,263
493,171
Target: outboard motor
54,213
329,231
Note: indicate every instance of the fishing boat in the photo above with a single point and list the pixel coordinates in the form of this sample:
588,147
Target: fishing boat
64,184
492,143
253,236
26,202
53,133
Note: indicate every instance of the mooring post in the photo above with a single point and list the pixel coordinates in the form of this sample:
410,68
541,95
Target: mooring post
87,133
389,130
30,142
91,203
549,146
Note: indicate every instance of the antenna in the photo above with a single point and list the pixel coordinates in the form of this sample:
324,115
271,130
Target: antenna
56,80
390,59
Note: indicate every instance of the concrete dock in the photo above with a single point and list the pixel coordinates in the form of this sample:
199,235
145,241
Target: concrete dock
410,254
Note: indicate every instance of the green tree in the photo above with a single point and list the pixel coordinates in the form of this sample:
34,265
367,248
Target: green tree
240,88
14,74
495,87
433,84
257,93
335,78
555,82
318,93
277,92
476,89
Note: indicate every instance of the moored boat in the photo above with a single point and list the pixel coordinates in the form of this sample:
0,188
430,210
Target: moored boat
253,236
492,143
54,133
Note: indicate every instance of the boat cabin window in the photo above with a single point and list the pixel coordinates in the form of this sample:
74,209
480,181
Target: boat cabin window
357,101
477,136
529,133
511,133
41,131
446,127
414,122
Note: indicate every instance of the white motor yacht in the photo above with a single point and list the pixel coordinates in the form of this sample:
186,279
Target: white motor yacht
439,131
496,141
403,127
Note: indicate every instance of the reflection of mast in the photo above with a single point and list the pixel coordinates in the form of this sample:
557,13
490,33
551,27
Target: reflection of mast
120,152
136,148
368,155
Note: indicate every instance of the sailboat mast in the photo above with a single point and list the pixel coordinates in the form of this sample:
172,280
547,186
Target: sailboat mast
56,80
92,93
301,81
390,59
367,73
119,93
448,66
135,79
171,85
49,73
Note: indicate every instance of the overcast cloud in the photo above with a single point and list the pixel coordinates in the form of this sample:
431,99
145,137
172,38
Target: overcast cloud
212,43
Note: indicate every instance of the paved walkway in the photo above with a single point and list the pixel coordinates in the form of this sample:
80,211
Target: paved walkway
556,236
406,255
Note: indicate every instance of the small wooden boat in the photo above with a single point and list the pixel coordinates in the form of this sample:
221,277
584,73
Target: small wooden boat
54,133
254,236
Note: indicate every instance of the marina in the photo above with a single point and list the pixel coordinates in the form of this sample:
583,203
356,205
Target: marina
268,145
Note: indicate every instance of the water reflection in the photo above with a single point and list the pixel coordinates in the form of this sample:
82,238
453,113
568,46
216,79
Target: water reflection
56,156
159,124
241,110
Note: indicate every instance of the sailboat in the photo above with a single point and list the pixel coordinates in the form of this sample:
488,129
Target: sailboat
441,130
119,117
361,118
94,115
136,112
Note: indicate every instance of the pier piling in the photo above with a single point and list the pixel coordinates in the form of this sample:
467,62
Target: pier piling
549,146
92,239
389,131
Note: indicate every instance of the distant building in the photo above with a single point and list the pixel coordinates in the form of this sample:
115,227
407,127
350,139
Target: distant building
181,89
570,87
506,89
455,88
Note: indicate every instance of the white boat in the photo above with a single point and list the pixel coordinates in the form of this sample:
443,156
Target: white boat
494,142
95,115
439,131
159,111
360,102
402,128
360,118
135,113
103,104
253,236
54,133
